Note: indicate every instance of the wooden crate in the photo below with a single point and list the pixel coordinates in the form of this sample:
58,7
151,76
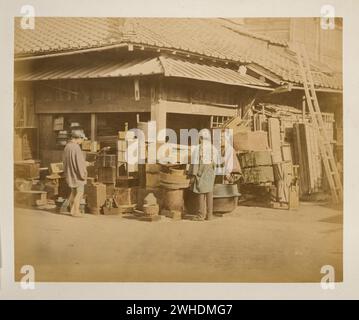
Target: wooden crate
255,158
27,169
96,195
107,174
258,175
250,141
107,160
30,198
125,196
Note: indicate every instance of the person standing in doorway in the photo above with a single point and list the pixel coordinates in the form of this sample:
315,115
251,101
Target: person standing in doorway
75,171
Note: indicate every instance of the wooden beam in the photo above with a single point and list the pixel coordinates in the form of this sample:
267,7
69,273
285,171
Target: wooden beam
196,108
283,89
104,106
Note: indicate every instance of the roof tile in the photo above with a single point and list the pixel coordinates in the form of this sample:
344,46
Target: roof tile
216,38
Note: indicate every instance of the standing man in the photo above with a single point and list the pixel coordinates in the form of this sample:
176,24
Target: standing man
75,170
203,172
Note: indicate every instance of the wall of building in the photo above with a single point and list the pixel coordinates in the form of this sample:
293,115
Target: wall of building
103,106
323,45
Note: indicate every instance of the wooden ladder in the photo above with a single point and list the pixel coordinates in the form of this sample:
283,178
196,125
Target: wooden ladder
325,147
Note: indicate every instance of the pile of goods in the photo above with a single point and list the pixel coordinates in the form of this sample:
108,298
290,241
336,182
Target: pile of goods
257,167
96,196
278,151
150,208
27,175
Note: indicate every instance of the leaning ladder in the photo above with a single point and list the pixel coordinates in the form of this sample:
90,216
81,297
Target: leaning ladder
325,147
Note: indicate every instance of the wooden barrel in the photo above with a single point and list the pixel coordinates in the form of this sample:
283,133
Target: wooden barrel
173,199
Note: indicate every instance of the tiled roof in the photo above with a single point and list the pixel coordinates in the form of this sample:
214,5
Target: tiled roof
108,69
214,38
52,34
167,66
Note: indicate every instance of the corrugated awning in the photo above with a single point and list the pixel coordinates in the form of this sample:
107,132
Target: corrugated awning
204,72
53,71
166,66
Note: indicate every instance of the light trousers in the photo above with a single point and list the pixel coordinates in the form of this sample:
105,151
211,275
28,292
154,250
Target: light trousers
205,205
75,200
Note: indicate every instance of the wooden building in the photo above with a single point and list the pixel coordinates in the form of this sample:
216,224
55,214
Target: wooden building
183,73
324,45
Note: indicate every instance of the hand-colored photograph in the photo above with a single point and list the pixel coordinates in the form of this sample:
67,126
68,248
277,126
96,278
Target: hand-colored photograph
178,149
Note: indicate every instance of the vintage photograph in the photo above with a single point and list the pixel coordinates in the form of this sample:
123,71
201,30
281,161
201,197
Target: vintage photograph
178,149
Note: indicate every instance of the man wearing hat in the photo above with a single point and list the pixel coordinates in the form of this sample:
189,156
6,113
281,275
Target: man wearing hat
202,171
75,170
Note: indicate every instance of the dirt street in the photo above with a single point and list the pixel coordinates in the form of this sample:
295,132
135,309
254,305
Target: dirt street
249,245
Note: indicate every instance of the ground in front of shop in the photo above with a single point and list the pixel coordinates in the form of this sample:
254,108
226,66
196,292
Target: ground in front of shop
251,244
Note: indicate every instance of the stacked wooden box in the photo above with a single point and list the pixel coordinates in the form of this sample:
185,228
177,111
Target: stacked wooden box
107,170
250,141
307,156
257,167
30,198
92,146
28,169
27,174
96,196
125,196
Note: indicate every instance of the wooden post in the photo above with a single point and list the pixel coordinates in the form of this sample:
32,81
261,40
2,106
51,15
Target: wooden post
37,141
158,109
93,127
159,114
211,122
